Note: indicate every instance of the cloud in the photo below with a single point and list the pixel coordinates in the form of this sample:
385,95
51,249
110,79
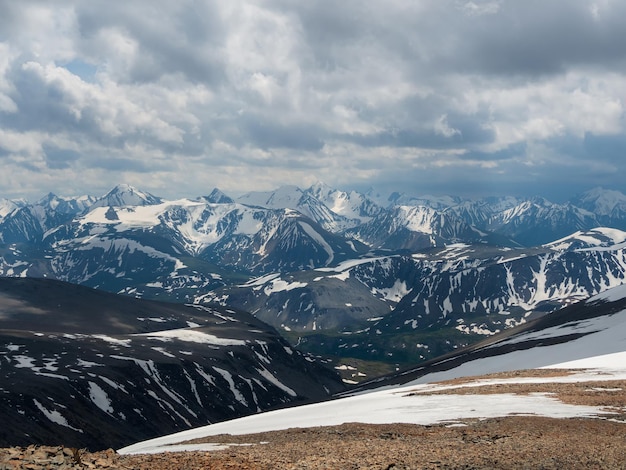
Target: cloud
449,95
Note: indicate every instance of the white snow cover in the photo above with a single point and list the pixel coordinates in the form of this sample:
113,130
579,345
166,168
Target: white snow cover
601,353
409,404
345,265
54,416
192,336
310,231
598,237
100,398
279,285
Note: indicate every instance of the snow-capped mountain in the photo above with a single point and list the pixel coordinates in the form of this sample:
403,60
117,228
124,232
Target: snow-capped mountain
125,195
352,205
29,222
85,368
304,202
409,308
159,248
592,327
538,221
333,259
414,228
609,206
218,197
7,206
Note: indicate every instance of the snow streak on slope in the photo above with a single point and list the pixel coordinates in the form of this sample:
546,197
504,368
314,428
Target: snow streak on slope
596,342
411,404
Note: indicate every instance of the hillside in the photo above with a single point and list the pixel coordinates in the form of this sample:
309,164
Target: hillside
561,415
86,368
555,408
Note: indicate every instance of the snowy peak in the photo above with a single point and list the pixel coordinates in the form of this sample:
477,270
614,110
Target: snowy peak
66,205
7,206
218,197
125,195
435,202
603,202
537,221
305,202
285,197
352,205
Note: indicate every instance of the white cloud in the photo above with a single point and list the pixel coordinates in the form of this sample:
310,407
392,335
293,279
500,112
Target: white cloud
258,94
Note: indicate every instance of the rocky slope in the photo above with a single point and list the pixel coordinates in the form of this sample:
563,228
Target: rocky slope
84,368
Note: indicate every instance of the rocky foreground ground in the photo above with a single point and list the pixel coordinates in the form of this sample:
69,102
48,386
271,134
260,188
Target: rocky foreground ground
510,442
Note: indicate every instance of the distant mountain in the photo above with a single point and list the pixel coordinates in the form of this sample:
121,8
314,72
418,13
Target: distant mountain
29,222
7,206
125,195
609,206
218,197
353,206
539,221
165,249
304,202
414,228
353,270
84,368
407,308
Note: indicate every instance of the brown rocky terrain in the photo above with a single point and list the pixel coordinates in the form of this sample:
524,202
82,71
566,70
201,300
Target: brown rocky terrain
500,443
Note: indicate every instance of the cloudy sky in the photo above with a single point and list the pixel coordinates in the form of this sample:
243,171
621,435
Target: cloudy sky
460,97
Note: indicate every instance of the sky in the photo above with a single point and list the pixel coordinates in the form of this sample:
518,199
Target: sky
471,98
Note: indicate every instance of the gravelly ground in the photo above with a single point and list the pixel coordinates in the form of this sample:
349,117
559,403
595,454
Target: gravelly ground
513,442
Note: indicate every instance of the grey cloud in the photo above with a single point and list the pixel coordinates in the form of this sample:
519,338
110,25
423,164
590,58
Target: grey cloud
606,147
537,37
512,151
405,138
267,133
475,182
59,158
9,18
464,133
344,80
182,37
121,164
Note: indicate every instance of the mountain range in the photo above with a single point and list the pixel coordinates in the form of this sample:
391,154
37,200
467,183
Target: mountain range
268,292
342,274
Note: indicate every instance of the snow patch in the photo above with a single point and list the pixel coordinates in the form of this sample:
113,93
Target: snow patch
192,336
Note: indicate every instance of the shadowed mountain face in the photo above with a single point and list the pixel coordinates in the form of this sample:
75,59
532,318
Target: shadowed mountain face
85,368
